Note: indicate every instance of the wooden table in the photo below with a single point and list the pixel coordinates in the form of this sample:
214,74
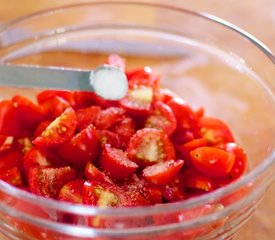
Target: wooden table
255,16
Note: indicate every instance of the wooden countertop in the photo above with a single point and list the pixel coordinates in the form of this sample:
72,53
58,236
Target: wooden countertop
256,17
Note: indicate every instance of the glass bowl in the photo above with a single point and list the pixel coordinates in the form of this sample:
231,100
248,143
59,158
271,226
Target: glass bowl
209,62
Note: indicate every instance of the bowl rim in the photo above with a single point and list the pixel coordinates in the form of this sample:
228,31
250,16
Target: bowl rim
137,211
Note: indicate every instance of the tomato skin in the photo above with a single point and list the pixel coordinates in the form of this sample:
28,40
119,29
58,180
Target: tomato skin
47,181
10,158
195,180
214,130
149,146
212,162
30,114
162,118
240,163
9,121
108,117
72,191
163,172
124,130
92,173
116,164
59,131
86,116
81,148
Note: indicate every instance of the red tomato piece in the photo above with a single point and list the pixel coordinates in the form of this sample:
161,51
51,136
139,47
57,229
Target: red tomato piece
195,180
48,95
59,131
164,95
163,172
59,105
115,163
23,144
92,173
6,142
135,185
149,146
82,148
10,158
186,148
108,137
240,163
72,191
12,176
214,130
41,128
116,61
47,181
185,116
162,118
35,157
124,129
30,114
104,195
86,116
9,120
108,117
212,162
174,190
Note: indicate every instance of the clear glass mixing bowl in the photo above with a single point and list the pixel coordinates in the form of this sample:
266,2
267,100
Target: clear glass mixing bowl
206,60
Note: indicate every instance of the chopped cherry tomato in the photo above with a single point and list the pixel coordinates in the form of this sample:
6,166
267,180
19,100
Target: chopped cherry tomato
12,176
212,161
240,163
116,61
59,131
163,172
149,146
104,195
214,131
108,117
108,137
41,128
195,180
92,173
48,95
115,163
164,95
59,105
162,118
9,120
72,191
10,158
6,142
30,114
47,181
23,144
86,116
174,190
82,148
124,129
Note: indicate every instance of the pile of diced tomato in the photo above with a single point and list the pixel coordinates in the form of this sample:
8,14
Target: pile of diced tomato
148,148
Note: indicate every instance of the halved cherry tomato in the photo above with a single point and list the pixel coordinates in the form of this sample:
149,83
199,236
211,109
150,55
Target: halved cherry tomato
72,191
10,158
9,120
108,137
86,116
92,173
124,129
47,181
48,95
162,118
41,128
82,148
59,105
59,131
104,195
12,176
174,190
108,117
163,172
30,114
6,142
212,162
164,95
195,180
214,130
115,163
149,146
